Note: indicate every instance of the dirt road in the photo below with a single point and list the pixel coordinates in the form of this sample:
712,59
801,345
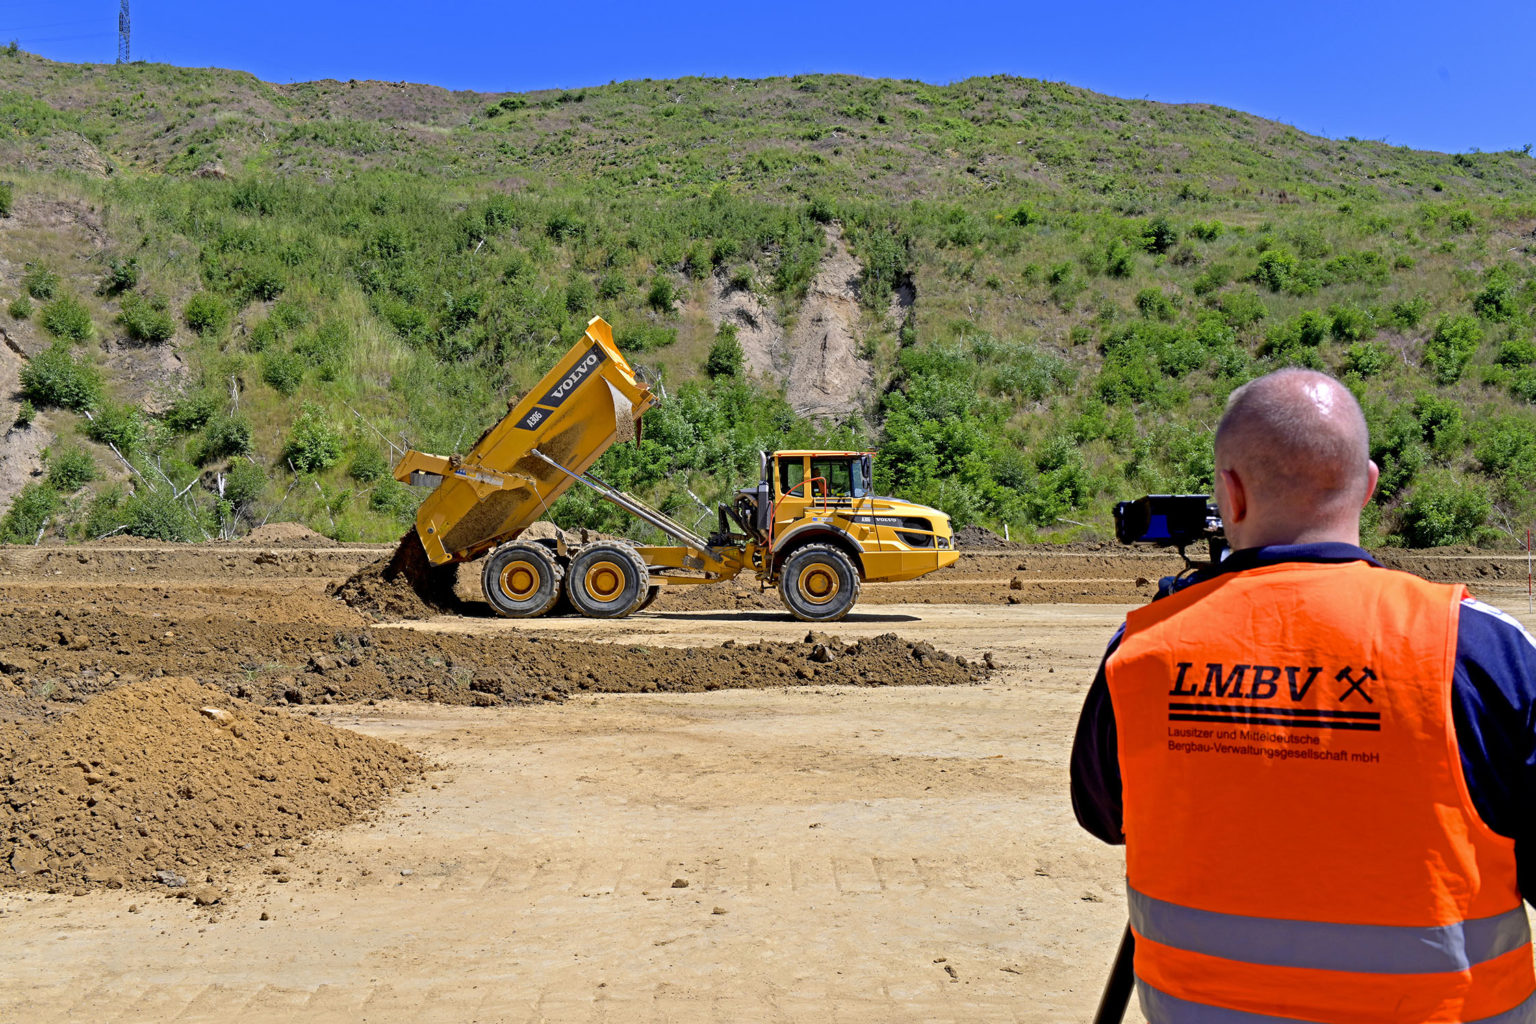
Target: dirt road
784,853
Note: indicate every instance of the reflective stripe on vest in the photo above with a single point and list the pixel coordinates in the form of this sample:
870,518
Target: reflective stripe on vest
1300,842
1162,1008
1328,946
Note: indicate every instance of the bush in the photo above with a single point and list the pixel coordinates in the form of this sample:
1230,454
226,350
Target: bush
1497,301
1276,269
67,317
1351,323
662,296
1154,304
145,320
1443,510
40,282
580,296
207,314
26,412
394,499
1407,313
224,437
1207,231
121,276
7,194
313,444
1301,333
29,513
1022,216
244,483
635,338
1517,352
21,307
55,377
1242,308
157,515
1366,358
1452,346
725,355
612,285
69,468
122,426
368,464
283,371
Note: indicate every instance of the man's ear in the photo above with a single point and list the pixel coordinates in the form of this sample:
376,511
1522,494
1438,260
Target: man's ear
1237,495
1370,487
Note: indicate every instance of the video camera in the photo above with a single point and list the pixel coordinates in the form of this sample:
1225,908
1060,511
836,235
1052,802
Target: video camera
1171,520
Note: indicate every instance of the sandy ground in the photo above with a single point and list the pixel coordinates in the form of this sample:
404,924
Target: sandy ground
782,854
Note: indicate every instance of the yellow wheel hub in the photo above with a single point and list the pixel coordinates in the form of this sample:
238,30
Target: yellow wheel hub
519,580
604,581
818,583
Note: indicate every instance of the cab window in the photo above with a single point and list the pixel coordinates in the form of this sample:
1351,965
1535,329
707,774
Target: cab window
791,472
844,476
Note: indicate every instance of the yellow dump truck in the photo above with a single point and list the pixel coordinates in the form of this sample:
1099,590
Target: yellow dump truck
812,524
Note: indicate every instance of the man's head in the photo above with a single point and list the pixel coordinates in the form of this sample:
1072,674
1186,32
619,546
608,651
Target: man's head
1293,461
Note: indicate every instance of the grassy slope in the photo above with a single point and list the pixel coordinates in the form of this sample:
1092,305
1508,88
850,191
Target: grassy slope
1092,274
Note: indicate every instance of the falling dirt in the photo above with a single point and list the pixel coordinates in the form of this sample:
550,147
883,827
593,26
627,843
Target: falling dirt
165,782
403,586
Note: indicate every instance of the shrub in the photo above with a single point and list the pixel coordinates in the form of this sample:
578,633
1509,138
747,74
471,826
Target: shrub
1022,216
224,437
122,426
7,194
21,307
1207,231
1211,279
157,515
580,296
206,313
1160,235
56,377
1304,331
313,444
612,285
725,355
1452,346
146,320
244,483
662,296
368,464
1443,510
40,282
1517,352
67,317
1497,301
191,411
1406,313
1276,269
1351,323
1155,304
1242,308
26,412
70,467
283,371
394,499
1366,358
29,513
121,276
641,337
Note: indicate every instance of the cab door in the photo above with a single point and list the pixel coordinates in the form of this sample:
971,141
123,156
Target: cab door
790,486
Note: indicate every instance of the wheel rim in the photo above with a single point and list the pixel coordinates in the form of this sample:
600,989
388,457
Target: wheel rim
604,581
519,580
818,583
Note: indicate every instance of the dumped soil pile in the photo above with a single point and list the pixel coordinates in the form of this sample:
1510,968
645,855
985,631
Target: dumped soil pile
160,781
502,669
287,535
979,537
403,586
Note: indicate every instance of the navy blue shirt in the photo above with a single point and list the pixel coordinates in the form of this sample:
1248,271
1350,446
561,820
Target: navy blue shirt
1493,704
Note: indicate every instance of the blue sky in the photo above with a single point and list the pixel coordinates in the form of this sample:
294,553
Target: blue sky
1440,75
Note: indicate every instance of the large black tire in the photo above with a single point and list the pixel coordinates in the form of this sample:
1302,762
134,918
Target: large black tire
650,597
607,580
818,583
521,580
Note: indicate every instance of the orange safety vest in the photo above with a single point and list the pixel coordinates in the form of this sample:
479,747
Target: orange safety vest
1300,841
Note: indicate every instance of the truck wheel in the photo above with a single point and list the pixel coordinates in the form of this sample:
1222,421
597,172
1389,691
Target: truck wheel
521,580
650,597
818,583
607,580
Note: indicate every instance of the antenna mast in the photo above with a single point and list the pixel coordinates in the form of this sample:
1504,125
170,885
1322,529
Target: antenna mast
122,33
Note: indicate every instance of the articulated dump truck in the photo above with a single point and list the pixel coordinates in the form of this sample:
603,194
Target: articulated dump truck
811,525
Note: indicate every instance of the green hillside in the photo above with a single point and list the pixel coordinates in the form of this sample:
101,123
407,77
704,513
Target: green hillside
242,285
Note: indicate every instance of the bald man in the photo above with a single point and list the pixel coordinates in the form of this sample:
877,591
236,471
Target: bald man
1324,771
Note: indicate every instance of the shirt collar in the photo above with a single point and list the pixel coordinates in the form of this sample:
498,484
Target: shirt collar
1274,554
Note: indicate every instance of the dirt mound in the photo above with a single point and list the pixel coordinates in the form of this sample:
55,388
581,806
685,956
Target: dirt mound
403,586
165,781
286,535
979,537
